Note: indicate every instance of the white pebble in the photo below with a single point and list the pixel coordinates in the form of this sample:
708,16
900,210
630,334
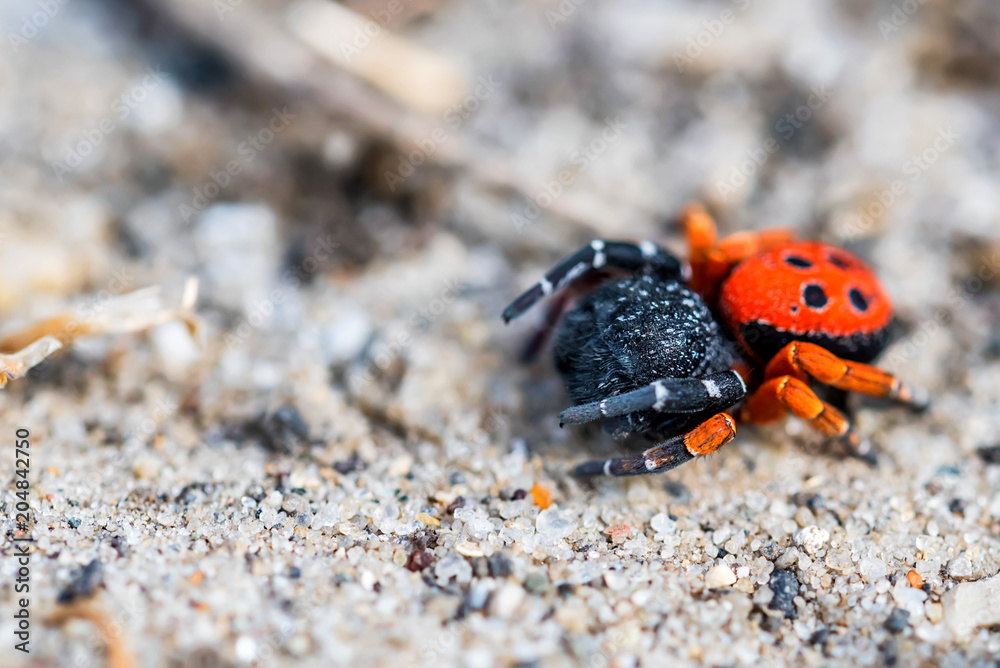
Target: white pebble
960,567
873,569
551,524
507,599
720,576
812,539
972,605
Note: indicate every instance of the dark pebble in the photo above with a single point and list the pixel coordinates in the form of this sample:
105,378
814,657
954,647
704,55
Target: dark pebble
770,624
455,505
346,466
519,494
785,587
480,567
295,572
500,565
119,545
419,560
678,490
456,478
537,582
957,507
73,522
819,636
898,620
281,431
990,454
83,582
810,500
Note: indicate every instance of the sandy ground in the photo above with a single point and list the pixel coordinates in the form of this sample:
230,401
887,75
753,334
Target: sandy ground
348,467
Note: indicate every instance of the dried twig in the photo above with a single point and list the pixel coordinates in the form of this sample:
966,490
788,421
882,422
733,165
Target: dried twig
132,312
118,653
265,46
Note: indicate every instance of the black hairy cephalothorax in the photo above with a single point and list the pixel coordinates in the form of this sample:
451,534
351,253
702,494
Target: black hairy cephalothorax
643,353
632,332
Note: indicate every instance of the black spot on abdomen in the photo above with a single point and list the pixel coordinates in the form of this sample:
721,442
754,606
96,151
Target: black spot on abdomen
838,261
800,262
815,296
858,299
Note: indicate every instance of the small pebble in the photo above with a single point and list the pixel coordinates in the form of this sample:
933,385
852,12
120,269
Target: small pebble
898,620
785,587
469,549
83,583
720,576
914,579
428,520
990,454
615,580
972,605
500,565
537,582
506,600
811,538
839,560
541,496
419,560
678,490
960,568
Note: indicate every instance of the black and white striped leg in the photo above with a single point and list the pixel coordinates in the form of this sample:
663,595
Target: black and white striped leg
598,254
669,395
704,439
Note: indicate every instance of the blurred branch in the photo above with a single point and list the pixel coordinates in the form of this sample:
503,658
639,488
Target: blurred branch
259,43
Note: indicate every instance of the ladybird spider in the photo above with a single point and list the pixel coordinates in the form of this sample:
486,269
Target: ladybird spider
669,350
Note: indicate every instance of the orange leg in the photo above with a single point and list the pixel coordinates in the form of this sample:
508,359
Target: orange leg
788,394
711,258
703,440
809,361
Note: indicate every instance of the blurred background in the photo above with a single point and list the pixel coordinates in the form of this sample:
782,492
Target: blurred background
351,463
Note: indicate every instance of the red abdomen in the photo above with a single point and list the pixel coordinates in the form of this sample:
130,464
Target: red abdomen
806,291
